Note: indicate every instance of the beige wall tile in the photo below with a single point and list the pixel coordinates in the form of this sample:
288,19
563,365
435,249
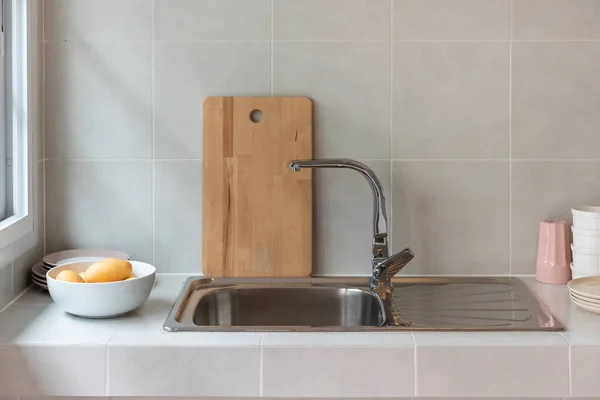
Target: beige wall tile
98,100
555,19
451,100
72,20
100,204
178,215
331,20
350,86
451,19
190,20
546,189
186,73
555,100
344,219
453,214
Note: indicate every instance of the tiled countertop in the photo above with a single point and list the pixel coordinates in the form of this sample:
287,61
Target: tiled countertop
44,351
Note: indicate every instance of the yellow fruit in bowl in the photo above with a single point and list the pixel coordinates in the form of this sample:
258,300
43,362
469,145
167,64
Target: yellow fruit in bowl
108,270
69,276
82,275
133,276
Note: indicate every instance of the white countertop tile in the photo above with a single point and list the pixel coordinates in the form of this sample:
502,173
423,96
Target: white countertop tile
132,356
335,339
489,339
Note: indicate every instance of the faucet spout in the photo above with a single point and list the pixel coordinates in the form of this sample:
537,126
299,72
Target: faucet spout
380,229
384,266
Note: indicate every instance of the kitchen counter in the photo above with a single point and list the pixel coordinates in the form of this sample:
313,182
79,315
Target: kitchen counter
44,351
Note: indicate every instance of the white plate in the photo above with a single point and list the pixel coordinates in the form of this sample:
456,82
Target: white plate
82,255
586,287
586,306
39,271
39,284
585,300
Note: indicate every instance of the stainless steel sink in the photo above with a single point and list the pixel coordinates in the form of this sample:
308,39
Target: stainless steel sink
348,304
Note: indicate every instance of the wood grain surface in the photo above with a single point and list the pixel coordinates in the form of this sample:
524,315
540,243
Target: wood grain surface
256,214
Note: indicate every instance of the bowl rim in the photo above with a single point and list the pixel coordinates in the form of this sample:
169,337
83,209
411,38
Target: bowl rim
584,232
64,266
587,211
584,250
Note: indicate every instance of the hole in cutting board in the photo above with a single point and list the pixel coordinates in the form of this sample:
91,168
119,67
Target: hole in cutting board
256,116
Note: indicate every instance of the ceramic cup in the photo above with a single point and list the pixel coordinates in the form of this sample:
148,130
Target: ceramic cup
554,255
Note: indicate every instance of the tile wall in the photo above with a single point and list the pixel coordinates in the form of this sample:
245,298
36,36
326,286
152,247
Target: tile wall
17,258
480,117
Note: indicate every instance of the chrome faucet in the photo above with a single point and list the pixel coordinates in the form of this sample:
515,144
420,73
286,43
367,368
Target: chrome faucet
384,265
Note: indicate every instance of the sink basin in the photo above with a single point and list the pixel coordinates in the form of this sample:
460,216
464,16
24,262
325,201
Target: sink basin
292,305
348,304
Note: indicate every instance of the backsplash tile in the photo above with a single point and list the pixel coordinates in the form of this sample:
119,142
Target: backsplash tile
178,215
427,92
6,294
451,19
186,73
344,215
555,19
546,189
98,100
555,100
453,214
93,20
100,204
362,20
191,20
451,100
350,86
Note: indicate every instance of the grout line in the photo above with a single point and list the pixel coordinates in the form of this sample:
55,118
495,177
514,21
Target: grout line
42,64
260,372
12,278
510,196
331,41
360,159
153,112
106,368
118,159
391,133
414,364
13,301
570,371
272,46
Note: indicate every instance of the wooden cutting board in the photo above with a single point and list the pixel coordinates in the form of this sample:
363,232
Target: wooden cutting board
256,213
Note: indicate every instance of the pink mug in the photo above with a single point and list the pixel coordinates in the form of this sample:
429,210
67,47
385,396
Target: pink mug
554,255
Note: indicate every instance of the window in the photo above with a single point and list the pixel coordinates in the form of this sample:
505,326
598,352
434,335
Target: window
16,209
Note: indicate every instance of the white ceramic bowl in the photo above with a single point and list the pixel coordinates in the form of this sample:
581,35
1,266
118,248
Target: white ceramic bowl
101,300
587,217
576,274
585,238
586,261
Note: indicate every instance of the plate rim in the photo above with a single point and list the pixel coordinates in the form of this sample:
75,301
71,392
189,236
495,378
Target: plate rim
573,286
64,254
594,310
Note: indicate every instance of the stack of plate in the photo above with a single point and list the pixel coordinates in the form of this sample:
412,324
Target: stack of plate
585,293
38,271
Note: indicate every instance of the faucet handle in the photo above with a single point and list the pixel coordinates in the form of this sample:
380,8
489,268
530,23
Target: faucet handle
386,269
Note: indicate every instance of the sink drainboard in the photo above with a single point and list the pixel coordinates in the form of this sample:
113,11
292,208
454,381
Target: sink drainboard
348,304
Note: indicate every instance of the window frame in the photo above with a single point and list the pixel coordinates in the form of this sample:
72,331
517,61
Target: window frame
19,46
